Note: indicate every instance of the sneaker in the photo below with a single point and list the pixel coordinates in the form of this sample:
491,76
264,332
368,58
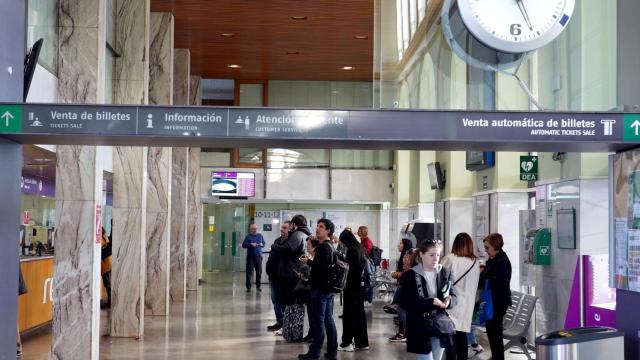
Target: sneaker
474,350
278,333
274,327
398,338
363,348
347,348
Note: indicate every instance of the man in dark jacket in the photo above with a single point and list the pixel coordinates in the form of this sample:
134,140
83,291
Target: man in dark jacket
289,264
273,262
321,296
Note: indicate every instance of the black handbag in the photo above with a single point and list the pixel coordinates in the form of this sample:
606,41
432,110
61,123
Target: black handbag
438,321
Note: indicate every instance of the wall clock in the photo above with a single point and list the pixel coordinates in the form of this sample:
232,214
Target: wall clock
499,33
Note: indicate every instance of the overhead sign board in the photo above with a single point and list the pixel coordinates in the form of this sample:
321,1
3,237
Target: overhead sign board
392,126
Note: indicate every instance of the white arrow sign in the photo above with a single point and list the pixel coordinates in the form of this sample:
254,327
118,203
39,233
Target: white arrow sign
7,116
635,126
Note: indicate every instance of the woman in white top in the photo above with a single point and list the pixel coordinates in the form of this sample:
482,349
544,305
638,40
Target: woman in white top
466,272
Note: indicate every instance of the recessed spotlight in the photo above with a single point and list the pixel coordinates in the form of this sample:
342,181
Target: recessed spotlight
347,68
293,52
361,37
298,18
234,66
227,35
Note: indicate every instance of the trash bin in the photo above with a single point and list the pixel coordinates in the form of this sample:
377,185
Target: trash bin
586,343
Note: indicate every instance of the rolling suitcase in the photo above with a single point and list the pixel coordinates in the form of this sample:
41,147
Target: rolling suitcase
293,323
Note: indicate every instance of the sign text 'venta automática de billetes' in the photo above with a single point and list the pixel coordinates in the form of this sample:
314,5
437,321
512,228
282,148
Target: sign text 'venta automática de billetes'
562,126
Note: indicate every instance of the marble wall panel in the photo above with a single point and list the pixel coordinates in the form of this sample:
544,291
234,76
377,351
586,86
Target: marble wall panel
128,278
75,167
193,218
161,59
181,79
127,290
178,224
78,65
158,230
128,171
195,90
157,285
76,281
132,43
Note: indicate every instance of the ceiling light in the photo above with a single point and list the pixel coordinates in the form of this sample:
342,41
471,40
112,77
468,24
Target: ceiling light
293,52
361,37
347,68
227,35
234,66
298,18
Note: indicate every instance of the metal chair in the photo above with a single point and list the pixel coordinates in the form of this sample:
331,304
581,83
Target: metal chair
517,321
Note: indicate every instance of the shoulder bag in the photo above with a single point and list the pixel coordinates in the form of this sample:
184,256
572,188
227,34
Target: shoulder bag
438,322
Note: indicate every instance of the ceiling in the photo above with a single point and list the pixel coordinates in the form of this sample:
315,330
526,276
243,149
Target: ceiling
263,33
38,162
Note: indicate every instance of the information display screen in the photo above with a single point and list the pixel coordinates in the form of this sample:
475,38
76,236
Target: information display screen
233,184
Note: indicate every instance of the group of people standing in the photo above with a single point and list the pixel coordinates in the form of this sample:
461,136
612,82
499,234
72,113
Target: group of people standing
430,289
298,270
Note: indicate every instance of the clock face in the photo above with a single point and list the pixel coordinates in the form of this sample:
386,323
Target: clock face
516,26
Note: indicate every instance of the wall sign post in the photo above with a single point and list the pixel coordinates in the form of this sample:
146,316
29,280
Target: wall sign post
528,168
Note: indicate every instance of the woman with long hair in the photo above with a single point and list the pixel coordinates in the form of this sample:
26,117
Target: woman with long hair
426,289
464,265
354,320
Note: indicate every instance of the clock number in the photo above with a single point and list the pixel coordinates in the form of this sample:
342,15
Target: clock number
516,29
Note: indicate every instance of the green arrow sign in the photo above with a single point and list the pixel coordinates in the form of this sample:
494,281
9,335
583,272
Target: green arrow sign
528,168
10,118
632,127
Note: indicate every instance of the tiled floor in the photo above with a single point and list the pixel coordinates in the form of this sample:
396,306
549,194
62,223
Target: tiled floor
223,322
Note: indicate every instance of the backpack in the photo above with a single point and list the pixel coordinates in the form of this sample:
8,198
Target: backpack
368,276
376,256
337,274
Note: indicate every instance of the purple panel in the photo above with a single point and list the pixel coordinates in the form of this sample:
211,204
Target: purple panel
573,312
595,315
37,186
109,199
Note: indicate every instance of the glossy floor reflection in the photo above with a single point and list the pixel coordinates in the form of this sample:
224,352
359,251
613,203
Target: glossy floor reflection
223,322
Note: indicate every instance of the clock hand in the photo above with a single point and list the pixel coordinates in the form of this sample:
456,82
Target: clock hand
525,15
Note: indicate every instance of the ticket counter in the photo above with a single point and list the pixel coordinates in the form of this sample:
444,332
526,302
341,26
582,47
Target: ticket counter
35,308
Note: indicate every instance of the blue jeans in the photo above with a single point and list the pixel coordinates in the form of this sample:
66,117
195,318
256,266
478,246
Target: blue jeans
322,312
276,300
436,351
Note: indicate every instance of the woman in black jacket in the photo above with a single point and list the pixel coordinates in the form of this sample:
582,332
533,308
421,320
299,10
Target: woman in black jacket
354,320
435,282
498,273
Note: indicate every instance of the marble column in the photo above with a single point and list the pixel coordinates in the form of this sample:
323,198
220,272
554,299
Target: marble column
81,51
158,230
194,223
76,279
181,80
128,277
76,283
131,78
196,90
179,162
161,59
